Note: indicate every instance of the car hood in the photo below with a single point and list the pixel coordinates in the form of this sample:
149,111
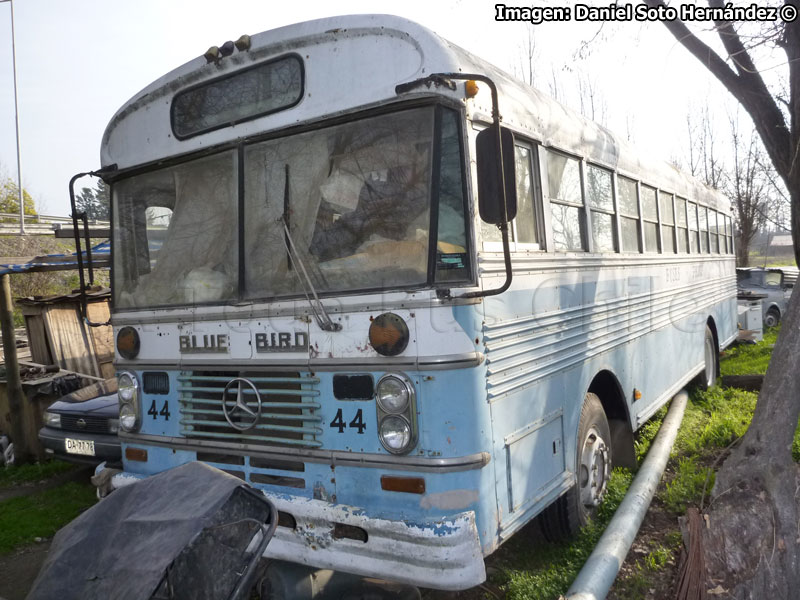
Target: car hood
102,406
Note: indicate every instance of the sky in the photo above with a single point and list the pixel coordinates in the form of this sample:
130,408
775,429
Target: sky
79,61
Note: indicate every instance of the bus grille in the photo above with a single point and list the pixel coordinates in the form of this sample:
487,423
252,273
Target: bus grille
289,404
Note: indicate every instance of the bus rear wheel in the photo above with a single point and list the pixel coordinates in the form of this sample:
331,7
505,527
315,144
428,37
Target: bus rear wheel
708,378
578,506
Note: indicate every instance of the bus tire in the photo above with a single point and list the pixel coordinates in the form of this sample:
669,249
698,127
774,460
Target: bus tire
565,517
708,377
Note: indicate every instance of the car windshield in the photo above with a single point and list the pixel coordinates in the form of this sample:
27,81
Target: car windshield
349,205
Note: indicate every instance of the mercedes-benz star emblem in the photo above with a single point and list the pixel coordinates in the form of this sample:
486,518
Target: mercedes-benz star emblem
239,414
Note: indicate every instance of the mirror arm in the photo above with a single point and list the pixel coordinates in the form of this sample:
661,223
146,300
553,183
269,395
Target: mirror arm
438,79
77,234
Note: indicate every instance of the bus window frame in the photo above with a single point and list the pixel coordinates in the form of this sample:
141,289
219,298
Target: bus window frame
590,210
239,72
547,198
239,145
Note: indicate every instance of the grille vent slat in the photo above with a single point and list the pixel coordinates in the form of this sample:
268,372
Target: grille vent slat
288,408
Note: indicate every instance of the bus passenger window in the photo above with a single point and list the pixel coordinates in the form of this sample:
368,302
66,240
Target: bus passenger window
525,225
683,231
667,221
694,235
730,235
703,219
713,232
629,214
566,202
601,203
649,219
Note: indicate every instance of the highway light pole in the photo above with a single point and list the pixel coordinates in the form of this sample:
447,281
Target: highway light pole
16,122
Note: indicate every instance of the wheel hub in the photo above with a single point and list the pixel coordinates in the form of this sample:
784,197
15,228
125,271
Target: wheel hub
595,468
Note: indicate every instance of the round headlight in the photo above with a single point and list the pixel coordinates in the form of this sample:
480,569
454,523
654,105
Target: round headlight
128,343
395,434
126,387
393,394
127,417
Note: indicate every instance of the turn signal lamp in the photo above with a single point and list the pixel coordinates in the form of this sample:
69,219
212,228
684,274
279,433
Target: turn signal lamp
128,343
471,88
409,485
637,394
388,334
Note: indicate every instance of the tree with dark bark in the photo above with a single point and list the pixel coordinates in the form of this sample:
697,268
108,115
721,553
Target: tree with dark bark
752,543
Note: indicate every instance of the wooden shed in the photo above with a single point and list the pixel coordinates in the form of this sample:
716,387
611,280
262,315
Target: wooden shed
58,335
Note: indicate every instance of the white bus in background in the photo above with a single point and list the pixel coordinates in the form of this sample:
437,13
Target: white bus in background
307,295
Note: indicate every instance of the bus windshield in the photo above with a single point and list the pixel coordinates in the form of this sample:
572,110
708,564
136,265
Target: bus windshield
353,199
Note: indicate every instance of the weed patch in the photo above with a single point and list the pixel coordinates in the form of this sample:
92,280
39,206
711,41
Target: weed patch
544,571
749,359
686,487
17,474
41,514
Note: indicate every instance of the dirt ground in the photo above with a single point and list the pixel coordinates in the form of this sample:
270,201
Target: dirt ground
19,569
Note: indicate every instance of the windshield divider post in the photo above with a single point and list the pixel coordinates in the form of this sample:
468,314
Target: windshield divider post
241,200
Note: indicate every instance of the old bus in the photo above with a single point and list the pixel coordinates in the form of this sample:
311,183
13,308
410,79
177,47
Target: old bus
310,292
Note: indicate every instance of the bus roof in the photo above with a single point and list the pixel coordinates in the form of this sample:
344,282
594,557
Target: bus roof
355,62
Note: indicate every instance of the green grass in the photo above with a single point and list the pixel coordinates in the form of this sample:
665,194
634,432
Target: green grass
544,571
25,518
17,474
686,488
749,359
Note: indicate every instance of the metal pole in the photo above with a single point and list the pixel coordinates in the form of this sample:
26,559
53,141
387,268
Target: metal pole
602,566
16,122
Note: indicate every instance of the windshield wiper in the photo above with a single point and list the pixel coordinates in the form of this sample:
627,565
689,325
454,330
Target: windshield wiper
320,314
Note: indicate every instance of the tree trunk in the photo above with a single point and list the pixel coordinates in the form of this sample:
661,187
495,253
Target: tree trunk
751,544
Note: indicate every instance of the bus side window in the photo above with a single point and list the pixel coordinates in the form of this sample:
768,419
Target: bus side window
649,218
629,214
694,235
526,224
703,219
566,202
683,230
667,222
601,203
713,230
730,235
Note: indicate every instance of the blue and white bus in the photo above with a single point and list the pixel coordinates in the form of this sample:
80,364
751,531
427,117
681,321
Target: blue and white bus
311,293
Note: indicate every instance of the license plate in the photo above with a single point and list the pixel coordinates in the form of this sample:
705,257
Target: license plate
85,447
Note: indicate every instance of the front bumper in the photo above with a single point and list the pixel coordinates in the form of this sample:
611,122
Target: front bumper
443,554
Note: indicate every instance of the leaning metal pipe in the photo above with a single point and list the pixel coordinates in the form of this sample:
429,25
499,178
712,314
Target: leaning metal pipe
600,570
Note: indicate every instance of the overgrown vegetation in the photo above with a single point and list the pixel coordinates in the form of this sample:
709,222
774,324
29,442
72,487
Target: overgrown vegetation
15,475
749,359
40,515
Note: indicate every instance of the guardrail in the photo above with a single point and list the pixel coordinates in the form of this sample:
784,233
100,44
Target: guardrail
43,224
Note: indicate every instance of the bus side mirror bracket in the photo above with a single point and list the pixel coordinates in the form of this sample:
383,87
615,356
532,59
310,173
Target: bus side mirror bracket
493,178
